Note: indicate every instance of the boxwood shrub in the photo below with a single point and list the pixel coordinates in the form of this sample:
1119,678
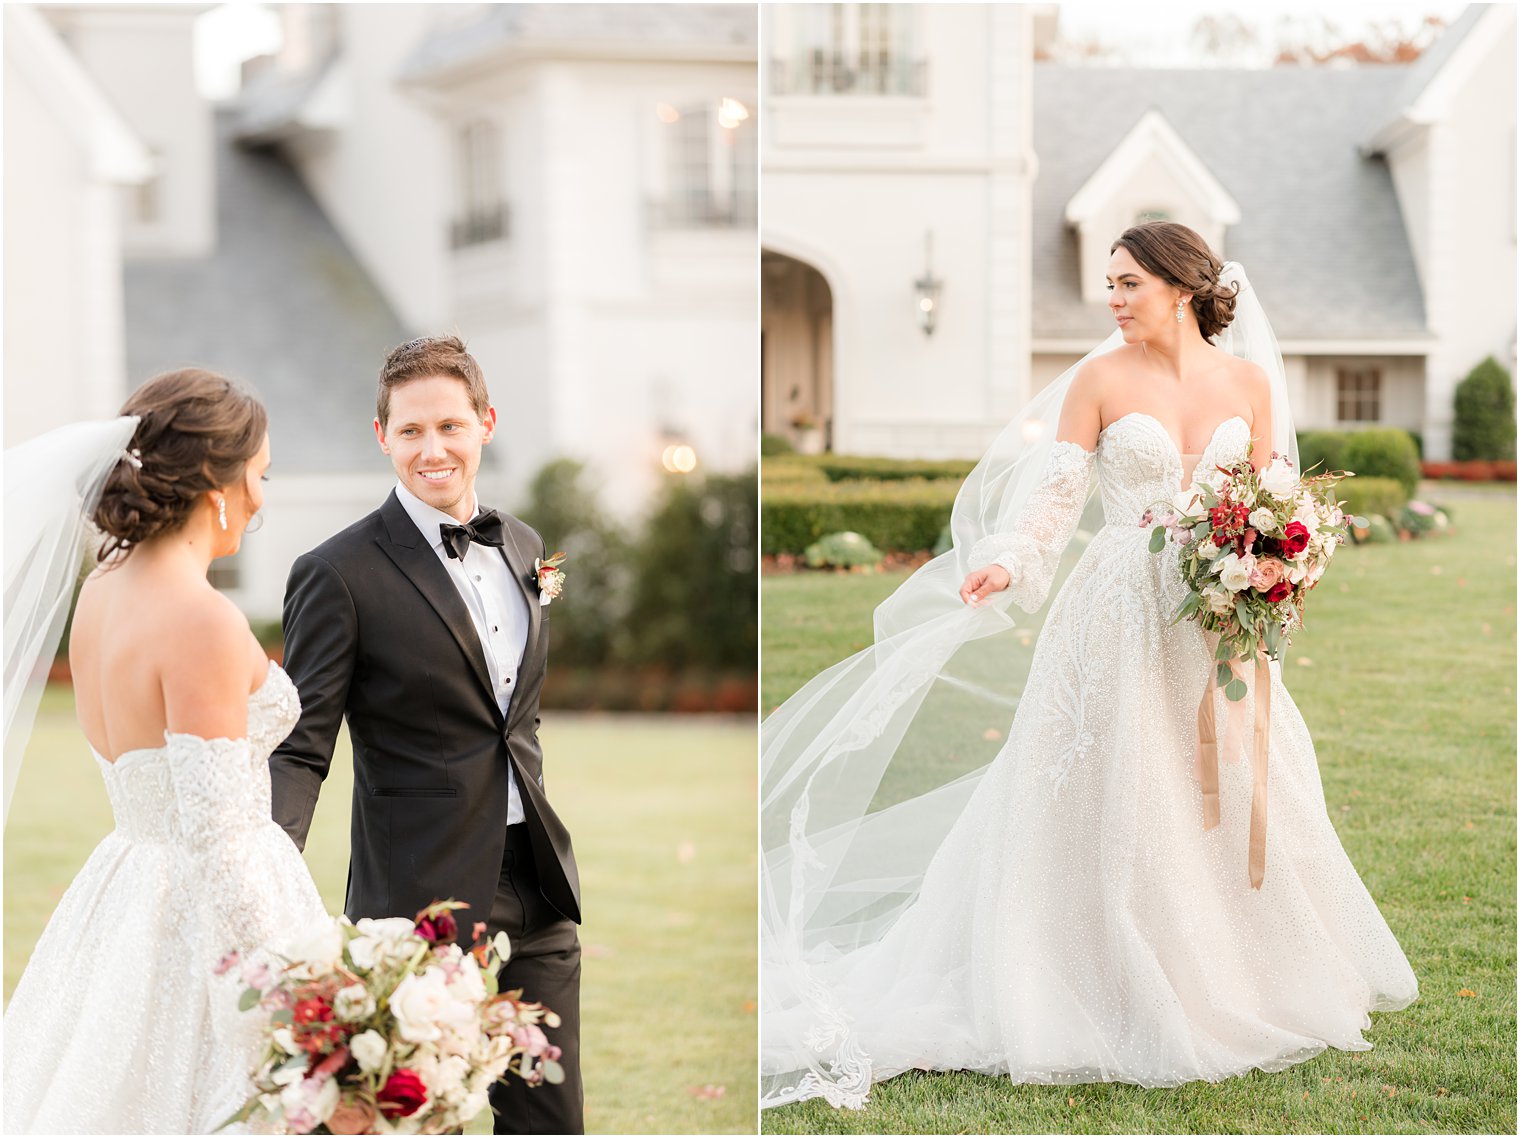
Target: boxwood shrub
897,516
1384,452
1369,496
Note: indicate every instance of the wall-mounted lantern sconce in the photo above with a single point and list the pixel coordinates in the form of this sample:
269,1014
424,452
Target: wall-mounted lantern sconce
927,288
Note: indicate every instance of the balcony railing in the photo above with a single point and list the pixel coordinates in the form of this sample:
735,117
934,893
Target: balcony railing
703,210
479,227
822,72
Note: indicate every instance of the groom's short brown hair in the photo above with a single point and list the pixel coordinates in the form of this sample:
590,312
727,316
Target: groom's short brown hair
426,356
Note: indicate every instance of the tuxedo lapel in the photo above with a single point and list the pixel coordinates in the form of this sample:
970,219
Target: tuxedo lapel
404,544
522,572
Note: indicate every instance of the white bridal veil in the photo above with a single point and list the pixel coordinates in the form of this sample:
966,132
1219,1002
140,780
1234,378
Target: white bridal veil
52,483
865,769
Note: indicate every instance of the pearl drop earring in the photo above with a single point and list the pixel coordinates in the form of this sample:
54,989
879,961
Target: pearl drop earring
221,503
1180,305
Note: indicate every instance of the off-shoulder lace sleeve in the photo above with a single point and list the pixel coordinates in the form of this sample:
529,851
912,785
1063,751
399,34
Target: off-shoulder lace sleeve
218,824
1032,550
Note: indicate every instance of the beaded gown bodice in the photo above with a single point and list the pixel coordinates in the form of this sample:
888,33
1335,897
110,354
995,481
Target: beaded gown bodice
1139,464
141,783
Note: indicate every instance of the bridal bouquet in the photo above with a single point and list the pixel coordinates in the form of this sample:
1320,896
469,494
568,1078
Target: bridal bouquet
1253,544
387,1027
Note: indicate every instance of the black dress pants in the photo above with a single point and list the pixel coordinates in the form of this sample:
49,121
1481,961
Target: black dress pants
546,964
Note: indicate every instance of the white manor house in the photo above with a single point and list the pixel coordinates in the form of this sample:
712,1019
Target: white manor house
938,208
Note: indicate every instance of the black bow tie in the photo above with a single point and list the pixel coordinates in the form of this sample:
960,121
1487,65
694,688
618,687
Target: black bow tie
485,528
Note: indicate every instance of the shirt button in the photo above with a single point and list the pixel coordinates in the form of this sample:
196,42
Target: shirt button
477,576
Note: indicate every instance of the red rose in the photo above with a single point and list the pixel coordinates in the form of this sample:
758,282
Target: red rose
1279,591
1295,538
403,1094
441,928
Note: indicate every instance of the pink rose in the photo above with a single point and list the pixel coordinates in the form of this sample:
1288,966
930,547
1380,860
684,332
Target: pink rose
1266,573
531,1038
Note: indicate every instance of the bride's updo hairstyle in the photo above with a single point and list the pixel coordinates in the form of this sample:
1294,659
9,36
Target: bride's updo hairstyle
197,431
1183,260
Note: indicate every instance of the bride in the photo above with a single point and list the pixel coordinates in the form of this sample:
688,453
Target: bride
1049,906
119,1023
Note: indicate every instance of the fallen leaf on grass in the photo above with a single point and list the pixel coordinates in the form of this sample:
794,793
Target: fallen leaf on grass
685,852
1070,1101
1467,900
992,734
1487,628
749,1005
1306,1094
1304,661
1467,825
1435,570
706,1092
1467,992
596,951
1392,1090
1441,1092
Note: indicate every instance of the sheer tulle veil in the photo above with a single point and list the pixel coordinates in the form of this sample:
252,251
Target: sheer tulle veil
865,769
51,485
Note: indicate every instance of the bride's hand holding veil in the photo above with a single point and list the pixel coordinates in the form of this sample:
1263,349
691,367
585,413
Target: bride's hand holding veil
981,582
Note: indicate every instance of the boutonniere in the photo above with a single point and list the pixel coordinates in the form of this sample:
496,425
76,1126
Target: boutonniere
551,578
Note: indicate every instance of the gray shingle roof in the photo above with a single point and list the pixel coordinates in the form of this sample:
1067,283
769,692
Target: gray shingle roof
282,304
1320,233
639,30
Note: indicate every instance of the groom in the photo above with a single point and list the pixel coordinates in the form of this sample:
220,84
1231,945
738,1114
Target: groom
423,625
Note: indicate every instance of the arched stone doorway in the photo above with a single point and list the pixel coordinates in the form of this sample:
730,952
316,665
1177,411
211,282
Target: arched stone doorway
796,352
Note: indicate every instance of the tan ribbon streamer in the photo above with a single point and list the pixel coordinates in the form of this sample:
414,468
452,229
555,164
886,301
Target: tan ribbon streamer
1207,760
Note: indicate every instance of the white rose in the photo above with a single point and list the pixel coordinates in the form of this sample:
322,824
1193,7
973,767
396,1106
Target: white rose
1278,478
1235,571
285,1040
1219,600
474,1103
368,1049
466,981
1297,571
378,939
316,1099
1263,520
353,1002
421,1003
319,949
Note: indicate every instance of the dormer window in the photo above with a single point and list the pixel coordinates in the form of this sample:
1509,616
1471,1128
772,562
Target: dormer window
1151,175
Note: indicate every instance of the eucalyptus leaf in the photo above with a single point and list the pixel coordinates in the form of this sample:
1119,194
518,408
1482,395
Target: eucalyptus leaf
1359,522
1224,651
1158,539
248,999
553,1072
1223,675
1235,690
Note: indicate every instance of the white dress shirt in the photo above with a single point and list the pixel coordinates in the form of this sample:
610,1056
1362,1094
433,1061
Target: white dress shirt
497,609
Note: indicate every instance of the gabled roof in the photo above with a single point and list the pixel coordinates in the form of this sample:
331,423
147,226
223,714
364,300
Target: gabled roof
1320,231
1428,81
1151,137
618,31
282,304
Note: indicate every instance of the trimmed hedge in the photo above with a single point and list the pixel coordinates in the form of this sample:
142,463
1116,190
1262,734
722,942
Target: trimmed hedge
1484,414
897,517
846,468
1370,496
775,444
1384,452
1327,448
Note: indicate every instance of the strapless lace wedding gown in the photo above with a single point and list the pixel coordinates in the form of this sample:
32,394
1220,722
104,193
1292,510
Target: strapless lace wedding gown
118,1024
1078,924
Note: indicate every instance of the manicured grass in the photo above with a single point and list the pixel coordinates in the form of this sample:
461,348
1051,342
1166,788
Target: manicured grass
663,814
1406,677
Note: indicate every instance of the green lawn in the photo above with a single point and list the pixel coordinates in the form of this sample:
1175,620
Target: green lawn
663,814
1406,677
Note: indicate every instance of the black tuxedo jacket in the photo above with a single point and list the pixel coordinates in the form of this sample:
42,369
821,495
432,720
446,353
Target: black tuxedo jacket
375,630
